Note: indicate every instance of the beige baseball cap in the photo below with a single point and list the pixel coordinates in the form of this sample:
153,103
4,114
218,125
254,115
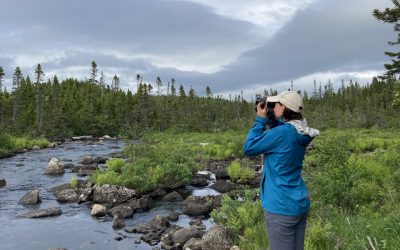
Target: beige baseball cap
291,99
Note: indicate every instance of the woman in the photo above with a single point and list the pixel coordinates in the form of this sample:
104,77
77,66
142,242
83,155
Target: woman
284,195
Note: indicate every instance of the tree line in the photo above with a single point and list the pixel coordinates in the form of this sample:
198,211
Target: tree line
58,109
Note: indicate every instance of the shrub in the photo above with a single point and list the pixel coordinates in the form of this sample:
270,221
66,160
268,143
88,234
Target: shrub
237,173
245,218
115,164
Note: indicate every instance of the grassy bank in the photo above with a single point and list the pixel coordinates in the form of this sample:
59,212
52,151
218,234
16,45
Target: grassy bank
10,144
162,159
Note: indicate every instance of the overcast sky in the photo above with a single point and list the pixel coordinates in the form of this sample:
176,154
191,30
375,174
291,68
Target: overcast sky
230,45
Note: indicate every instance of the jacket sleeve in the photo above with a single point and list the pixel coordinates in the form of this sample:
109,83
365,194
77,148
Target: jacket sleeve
258,141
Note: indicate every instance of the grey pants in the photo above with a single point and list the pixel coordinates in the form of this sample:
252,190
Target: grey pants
286,232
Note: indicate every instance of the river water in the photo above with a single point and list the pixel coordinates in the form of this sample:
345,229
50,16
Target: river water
75,228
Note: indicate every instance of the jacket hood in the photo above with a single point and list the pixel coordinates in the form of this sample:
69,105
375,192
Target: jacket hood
303,129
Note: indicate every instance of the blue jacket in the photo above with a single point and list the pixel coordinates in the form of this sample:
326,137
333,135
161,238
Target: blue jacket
282,189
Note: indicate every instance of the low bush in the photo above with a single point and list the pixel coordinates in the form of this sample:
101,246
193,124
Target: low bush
239,173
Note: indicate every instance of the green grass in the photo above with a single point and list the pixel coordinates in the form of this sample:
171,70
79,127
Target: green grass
168,158
9,144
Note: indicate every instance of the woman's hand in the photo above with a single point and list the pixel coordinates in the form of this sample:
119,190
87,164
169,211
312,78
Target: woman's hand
262,112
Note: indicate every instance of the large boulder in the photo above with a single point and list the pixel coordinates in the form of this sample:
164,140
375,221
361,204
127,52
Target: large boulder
3,183
217,238
54,167
200,205
50,212
30,198
112,195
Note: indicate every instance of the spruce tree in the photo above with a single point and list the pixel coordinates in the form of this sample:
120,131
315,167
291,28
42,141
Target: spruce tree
93,73
1,78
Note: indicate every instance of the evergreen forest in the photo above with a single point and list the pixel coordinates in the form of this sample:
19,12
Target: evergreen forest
58,109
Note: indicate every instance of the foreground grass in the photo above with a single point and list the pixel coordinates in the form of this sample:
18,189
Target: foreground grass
354,182
10,144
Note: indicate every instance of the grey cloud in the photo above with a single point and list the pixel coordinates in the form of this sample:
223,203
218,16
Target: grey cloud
328,36
316,40
158,27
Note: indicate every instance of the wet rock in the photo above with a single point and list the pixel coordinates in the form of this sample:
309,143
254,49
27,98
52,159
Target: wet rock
67,195
35,147
193,244
54,167
50,212
86,172
143,204
100,160
130,230
223,186
69,165
217,238
98,210
173,217
138,241
158,194
152,238
221,173
30,198
174,196
156,224
123,211
85,194
3,183
198,223
200,180
182,235
112,195
88,160
78,168
214,165
59,188
118,238
118,223
199,205
21,151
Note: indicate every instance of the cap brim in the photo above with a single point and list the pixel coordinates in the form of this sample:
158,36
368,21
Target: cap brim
272,99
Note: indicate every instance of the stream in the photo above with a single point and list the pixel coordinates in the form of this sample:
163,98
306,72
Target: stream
75,228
